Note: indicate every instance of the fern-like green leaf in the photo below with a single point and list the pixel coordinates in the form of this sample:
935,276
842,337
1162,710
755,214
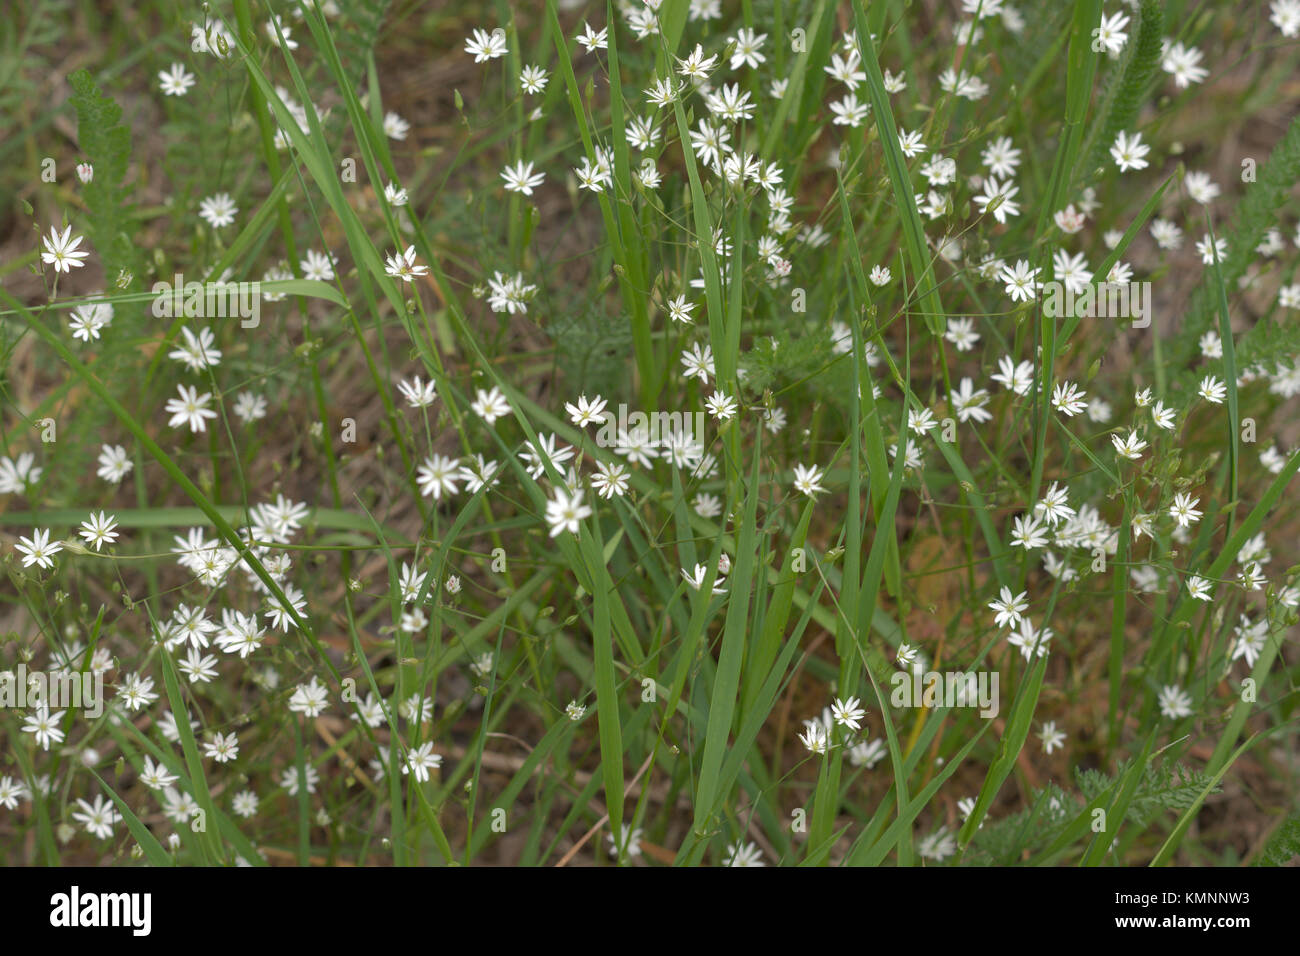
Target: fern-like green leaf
1285,844
106,143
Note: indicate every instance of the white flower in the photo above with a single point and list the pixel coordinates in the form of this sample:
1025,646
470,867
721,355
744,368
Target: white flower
520,178
1285,15
1021,282
309,699
1183,63
97,818
532,79
175,81
1067,398
1027,533
807,479
610,479
1008,608
197,352
395,127
61,250
848,713
961,333
402,265
1030,640
696,580
1162,416
1129,152
1175,702
317,265
1130,447
592,41
1201,188
1211,250
1212,390
249,407
437,474
697,66
222,748
421,760
17,474
490,405
190,408
1111,36
98,528
44,726
586,412
38,549
218,210
815,739
486,46
418,394
564,512
1183,510
744,854
1052,738
1019,378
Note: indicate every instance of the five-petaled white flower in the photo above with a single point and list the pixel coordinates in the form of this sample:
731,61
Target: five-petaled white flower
98,528
1129,152
486,46
61,250
565,511
520,178
402,265
1008,608
421,760
218,210
38,549
807,479
1183,510
190,408
848,713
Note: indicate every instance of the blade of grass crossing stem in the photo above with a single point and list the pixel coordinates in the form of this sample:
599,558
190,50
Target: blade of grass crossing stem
724,361
303,805
153,850
1013,741
607,716
1102,840
627,241
1185,821
40,803
900,829
1229,372
1081,68
620,224
877,463
1119,614
904,198
209,848
1081,63
868,595
794,87
722,703
760,656
1241,710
